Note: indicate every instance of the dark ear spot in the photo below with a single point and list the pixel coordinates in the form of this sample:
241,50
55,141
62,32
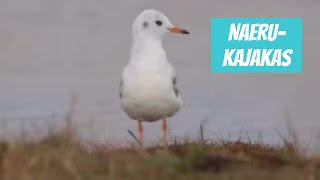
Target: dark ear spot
145,24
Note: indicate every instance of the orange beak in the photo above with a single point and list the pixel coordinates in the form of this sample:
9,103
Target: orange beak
178,30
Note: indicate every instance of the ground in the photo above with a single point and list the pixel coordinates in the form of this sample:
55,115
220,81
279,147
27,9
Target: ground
61,157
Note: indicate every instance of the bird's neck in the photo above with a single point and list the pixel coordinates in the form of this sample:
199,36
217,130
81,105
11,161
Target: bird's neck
145,44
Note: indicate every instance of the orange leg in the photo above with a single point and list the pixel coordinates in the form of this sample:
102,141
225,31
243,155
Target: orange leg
140,130
164,132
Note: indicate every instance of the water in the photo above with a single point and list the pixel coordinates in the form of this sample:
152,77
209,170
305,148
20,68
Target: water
53,50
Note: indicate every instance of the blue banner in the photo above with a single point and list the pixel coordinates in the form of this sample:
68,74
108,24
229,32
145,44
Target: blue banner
256,45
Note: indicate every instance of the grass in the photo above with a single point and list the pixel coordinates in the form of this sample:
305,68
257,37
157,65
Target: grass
60,156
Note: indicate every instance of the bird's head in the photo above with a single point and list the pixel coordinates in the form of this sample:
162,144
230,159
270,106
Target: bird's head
153,23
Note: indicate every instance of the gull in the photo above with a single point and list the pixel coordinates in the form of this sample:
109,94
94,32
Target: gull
148,88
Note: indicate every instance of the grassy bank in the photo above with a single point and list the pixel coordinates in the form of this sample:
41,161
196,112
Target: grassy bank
60,157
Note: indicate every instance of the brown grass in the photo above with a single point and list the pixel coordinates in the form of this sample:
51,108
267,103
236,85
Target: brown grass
60,157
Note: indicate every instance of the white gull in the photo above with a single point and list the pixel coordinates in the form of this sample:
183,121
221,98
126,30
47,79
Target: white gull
148,89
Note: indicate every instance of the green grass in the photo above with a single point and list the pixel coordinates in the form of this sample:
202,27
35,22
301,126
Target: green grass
60,157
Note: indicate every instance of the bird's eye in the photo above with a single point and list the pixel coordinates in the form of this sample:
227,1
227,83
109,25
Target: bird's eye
159,23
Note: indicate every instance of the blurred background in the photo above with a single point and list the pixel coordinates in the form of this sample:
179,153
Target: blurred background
51,51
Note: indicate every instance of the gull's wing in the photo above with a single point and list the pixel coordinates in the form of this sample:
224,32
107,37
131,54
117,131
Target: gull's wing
175,86
120,88
174,79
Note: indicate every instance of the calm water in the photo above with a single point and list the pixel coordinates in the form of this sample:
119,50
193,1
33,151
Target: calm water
53,50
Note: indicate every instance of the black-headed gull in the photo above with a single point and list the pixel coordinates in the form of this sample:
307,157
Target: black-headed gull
148,89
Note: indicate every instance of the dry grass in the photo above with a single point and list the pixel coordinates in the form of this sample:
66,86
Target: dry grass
61,157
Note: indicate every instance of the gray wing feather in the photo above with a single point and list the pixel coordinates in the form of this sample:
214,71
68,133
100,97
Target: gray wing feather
175,86
120,88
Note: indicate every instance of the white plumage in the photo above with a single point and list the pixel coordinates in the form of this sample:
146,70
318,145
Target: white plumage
148,89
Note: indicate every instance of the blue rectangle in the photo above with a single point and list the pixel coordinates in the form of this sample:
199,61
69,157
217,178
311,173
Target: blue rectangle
273,52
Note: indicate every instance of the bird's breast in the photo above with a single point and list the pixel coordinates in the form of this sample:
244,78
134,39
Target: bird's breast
147,84
149,97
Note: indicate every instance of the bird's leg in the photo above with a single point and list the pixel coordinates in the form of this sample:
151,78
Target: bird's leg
140,130
164,132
